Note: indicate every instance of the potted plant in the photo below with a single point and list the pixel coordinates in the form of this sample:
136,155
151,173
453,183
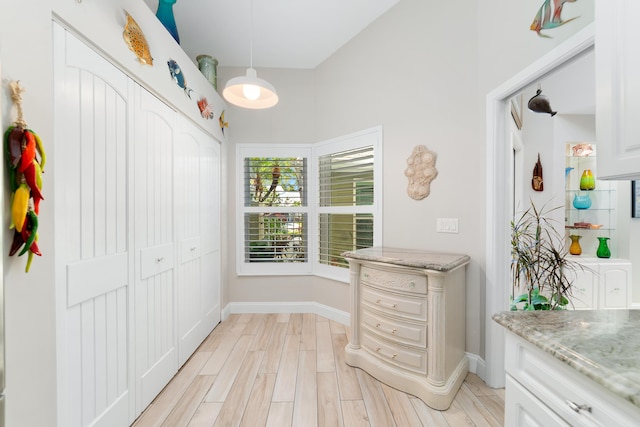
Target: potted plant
539,262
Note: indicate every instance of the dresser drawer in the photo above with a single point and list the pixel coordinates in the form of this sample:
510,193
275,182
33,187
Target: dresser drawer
398,355
394,279
394,329
396,304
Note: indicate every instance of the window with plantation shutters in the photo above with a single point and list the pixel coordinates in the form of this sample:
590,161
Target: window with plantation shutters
346,201
301,206
275,217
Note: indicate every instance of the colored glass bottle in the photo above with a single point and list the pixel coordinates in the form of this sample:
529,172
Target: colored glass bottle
575,248
587,180
165,15
603,248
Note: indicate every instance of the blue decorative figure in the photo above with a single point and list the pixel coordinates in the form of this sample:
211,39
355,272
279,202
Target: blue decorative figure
178,76
165,15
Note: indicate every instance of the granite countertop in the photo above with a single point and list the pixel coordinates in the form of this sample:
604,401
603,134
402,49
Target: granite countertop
604,345
410,257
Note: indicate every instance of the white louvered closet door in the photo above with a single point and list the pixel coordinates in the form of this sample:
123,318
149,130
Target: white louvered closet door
93,256
154,285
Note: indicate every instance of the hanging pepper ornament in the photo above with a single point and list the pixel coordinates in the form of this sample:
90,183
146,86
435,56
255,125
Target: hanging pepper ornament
25,158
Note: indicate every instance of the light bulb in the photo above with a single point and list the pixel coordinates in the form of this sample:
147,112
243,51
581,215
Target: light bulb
251,92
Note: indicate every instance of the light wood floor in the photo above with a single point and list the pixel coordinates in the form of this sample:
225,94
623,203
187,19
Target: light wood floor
279,370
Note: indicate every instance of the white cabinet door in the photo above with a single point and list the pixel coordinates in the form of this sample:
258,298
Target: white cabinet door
210,229
615,285
585,287
618,89
93,257
197,233
154,288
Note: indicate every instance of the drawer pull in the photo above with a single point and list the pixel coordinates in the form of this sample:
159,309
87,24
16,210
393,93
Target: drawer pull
393,331
193,249
577,408
159,260
388,305
393,356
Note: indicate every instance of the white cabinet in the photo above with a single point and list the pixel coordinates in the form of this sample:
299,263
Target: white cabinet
602,284
543,391
137,238
618,89
408,328
523,409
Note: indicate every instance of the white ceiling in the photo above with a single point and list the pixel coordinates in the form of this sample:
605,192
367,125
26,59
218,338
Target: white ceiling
286,33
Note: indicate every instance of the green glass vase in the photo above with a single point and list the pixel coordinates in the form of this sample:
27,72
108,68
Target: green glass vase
587,180
603,248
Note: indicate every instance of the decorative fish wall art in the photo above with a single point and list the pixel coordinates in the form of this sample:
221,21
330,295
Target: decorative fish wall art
134,37
549,16
178,76
206,109
223,124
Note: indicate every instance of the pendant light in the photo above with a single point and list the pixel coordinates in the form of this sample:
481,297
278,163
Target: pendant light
250,91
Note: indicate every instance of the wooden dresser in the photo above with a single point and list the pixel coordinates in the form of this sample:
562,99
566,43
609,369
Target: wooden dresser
408,320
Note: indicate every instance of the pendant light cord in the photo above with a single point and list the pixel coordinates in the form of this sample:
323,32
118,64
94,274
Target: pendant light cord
250,33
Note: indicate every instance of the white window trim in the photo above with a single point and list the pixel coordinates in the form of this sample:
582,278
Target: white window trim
368,137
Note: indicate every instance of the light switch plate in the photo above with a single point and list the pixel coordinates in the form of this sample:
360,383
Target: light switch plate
447,225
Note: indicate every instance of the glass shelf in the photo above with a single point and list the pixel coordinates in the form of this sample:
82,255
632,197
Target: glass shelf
602,211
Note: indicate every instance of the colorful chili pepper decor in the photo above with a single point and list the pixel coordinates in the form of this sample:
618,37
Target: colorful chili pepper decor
25,157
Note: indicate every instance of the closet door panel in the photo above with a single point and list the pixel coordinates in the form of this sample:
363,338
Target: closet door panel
210,214
154,293
187,189
91,153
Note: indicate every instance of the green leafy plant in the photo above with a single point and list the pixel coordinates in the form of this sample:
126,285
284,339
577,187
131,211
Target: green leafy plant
539,262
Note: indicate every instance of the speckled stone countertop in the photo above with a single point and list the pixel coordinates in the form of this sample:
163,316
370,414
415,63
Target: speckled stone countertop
604,345
410,258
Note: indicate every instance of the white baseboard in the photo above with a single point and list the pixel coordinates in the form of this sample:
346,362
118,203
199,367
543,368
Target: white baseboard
287,307
476,365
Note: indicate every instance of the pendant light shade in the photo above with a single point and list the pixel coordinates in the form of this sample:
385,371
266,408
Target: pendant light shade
249,91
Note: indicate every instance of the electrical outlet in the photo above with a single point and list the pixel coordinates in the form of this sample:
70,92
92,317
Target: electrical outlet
447,225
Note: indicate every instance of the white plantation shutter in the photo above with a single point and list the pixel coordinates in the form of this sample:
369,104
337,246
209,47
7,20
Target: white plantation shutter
346,202
301,206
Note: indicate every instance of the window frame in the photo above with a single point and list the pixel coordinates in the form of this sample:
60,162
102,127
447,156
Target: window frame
368,137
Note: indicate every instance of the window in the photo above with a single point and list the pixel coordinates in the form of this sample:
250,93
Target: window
301,206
